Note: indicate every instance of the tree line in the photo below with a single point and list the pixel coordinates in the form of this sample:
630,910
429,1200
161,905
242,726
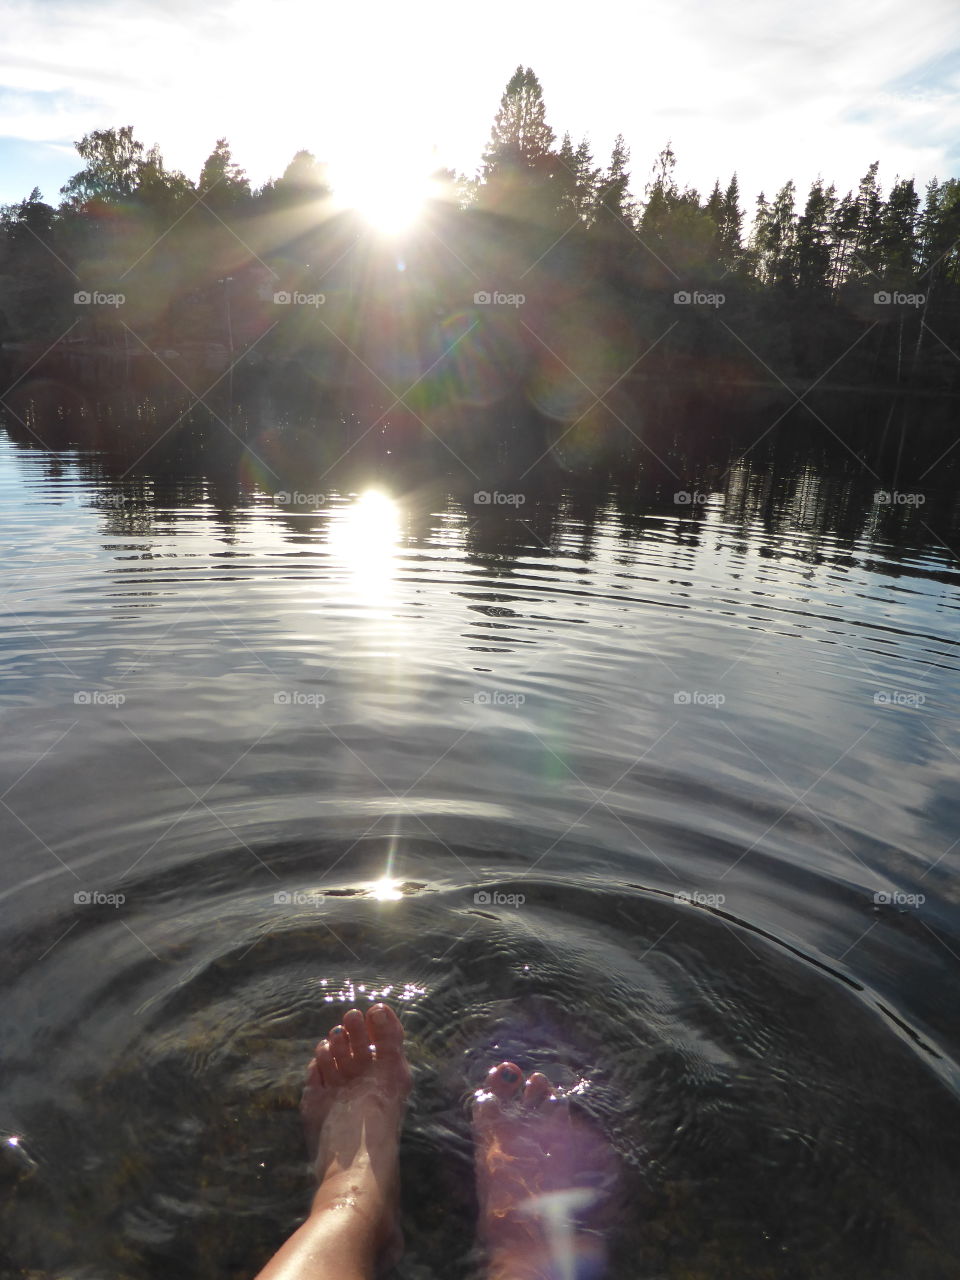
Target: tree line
860,289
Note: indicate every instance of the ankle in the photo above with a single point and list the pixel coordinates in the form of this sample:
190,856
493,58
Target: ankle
357,1197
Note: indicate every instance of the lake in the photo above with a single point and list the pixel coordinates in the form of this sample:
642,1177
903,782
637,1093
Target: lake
645,777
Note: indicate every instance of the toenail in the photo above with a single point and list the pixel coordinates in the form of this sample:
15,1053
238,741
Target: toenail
379,1014
337,1031
508,1074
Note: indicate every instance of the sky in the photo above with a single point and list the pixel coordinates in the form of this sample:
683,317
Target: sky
769,88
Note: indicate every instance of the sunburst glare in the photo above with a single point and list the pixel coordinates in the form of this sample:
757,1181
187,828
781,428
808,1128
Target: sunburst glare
364,537
386,889
389,195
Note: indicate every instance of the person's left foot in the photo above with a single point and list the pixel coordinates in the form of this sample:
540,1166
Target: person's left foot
352,1107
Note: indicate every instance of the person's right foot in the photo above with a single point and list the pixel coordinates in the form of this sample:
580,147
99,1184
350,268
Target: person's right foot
531,1158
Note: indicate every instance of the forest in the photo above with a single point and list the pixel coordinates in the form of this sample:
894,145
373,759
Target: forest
542,279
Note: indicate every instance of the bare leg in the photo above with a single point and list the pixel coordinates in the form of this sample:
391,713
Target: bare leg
352,1107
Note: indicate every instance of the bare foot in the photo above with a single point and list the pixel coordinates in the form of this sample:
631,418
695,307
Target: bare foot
352,1107
537,1169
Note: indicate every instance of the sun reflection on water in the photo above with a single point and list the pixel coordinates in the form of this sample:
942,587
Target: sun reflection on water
364,538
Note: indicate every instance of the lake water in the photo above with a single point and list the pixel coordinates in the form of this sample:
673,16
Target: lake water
660,795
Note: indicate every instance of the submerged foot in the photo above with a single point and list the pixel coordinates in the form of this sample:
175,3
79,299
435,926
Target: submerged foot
538,1167
352,1107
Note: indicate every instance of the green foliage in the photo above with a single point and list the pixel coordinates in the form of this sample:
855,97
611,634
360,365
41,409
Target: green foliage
614,211
223,186
521,137
112,170
198,259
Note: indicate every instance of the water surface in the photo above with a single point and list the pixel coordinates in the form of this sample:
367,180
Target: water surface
658,795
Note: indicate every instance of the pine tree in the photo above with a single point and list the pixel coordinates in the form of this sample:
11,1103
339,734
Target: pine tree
31,273
661,193
813,248
576,181
613,209
898,241
865,253
520,173
714,211
520,136
714,205
843,236
731,227
760,239
223,185
773,243
781,237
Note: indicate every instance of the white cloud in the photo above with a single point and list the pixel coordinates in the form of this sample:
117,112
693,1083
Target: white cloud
770,89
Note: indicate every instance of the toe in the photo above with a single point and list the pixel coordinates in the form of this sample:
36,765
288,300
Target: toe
356,1028
385,1030
538,1088
340,1048
504,1081
327,1064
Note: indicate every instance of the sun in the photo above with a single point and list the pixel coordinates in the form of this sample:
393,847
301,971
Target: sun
389,196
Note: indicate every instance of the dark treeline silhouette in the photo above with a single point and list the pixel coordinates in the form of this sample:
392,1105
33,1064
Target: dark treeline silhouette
539,291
